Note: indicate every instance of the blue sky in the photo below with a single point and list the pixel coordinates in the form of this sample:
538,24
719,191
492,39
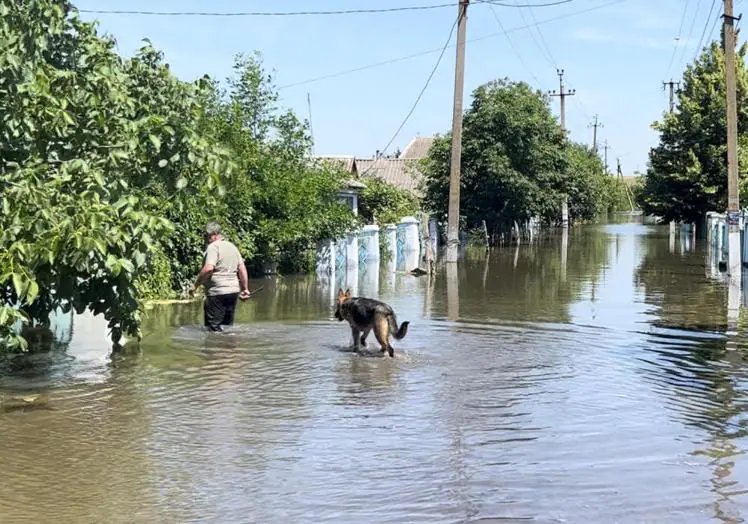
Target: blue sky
616,57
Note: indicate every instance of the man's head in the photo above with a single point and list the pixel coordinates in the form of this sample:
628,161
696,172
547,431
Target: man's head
212,232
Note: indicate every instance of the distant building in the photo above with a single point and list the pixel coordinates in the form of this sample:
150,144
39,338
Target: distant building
418,148
349,194
401,172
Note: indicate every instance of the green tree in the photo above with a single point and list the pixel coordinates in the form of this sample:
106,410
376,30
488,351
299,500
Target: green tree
383,203
687,172
516,162
294,200
591,192
79,159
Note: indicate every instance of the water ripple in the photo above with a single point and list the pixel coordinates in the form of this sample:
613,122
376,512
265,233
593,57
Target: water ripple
602,393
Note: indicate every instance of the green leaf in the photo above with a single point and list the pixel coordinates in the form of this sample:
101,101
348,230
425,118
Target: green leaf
127,265
18,284
163,162
100,246
32,292
155,141
181,183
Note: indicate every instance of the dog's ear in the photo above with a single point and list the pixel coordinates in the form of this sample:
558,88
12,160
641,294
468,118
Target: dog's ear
348,292
340,292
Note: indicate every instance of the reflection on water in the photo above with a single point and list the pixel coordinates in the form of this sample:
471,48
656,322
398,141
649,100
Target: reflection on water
584,378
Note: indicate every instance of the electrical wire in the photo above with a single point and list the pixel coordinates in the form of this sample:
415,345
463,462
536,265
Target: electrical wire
511,44
680,33
703,33
529,26
542,38
690,31
420,95
308,13
502,4
436,50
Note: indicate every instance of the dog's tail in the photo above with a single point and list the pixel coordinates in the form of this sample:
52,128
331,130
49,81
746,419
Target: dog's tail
396,332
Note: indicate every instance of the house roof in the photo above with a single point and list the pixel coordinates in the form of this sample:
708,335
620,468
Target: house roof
399,172
344,161
348,163
418,147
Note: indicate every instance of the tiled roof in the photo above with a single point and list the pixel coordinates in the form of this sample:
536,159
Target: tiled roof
349,164
418,147
346,162
399,172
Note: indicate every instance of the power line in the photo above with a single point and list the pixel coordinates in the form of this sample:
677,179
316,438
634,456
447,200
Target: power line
714,25
266,13
548,4
542,38
436,50
420,95
706,25
690,31
511,44
680,33
535,40
308,13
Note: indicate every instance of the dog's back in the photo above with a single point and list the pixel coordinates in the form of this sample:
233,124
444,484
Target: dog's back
362,312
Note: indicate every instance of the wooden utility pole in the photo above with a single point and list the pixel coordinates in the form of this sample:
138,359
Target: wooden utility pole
620,179
605,148
672,86
311,128
733,197
562,94
453,214
594,125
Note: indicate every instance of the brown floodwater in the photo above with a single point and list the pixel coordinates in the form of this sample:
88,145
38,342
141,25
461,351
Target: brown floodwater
596,383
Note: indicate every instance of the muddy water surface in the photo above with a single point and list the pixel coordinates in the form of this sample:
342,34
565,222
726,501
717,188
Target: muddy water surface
602,389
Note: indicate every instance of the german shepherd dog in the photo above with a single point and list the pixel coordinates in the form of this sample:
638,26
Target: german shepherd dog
365,314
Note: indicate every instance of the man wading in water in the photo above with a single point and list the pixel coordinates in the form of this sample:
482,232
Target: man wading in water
222,264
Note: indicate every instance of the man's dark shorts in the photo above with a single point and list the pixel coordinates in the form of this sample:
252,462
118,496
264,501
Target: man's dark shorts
219,310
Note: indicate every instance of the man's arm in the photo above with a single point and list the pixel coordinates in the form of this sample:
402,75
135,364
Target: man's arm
211,258
204,275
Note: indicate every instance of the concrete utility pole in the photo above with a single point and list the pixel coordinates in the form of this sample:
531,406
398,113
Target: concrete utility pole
605,148
562,94
594,125
453,214
672,86
733,197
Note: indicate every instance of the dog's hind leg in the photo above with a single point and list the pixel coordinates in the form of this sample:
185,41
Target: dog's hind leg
382,333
